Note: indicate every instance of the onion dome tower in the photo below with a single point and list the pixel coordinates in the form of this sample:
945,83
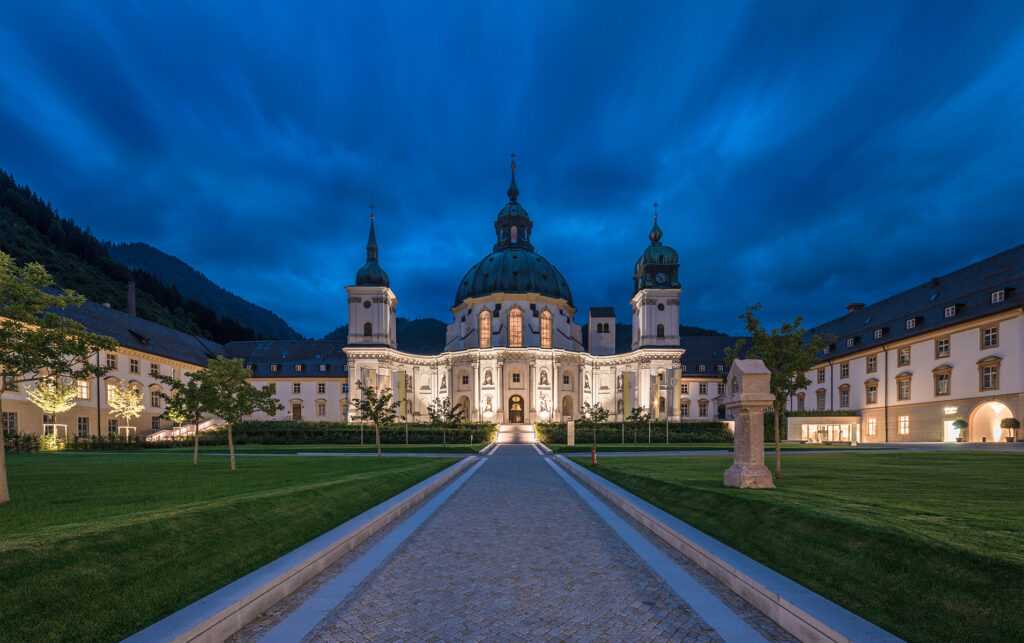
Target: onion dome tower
656,291
371,303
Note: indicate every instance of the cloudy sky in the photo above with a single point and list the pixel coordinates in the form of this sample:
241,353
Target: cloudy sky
805,155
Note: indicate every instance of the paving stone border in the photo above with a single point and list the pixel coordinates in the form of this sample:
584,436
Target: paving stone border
487,449
804,614
217,616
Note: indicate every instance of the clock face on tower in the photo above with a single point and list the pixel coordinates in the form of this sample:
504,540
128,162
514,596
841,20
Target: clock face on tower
660,277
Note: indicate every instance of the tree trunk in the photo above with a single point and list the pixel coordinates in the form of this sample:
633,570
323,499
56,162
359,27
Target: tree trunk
778,446
231,448
376,430
195,453
5,496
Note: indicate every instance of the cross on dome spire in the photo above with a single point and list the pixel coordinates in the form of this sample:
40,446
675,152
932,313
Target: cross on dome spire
513,191
371,243
655,235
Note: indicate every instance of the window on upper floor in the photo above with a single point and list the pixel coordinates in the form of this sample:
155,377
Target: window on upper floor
903,356
515,377
821,376
154,399
660,332
911,323
988,374
871,392
111,361
872,364
465,379
684,389
321,409
545,329
990,337
719,368
844,397
133,365
998,296
484,324
154,369
367,329
515,328
275,367
566,379
700,368
323,368
950,311
851,341
296,388
344,388
844,370
878,333
827,349
820,394
903,388
300,368
83,390
321,388
941,347
942,382
702,388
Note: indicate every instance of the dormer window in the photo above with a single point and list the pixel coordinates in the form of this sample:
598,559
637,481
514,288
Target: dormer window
700,368
998,296
878,333
950,311
827,349
850,342
719,368
911,323
275,367
299,368
250,367
323,368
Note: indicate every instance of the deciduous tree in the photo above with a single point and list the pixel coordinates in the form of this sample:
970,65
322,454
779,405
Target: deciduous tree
185,404
376,407
53,397
125,402
788,353
227,393
36,343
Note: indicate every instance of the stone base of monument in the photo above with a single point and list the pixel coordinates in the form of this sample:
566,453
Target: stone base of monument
749,476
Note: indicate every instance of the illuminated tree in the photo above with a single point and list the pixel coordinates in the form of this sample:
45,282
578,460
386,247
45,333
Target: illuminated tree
125,402
35,343
185,404
53,397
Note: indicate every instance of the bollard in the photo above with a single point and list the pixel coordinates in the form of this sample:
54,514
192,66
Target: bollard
593,454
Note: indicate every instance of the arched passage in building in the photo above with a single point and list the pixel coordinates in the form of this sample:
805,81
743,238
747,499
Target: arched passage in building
464,407
984,422
567,408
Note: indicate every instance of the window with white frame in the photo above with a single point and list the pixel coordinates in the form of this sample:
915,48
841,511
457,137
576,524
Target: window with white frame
702,408
154,369
844,397
990,337
344,387
321,388
83,427
721,388
296,388
872,364
321,409
904,424
300,368
111,427
682,368
850,342
912,323
83,390
871,393
950,311
684,388
827,349
133,365
990,377
323,368
10,421
903,356
878,333
719,368
821,376
700,368
998,296
154,399
903,388
702,388
844,370
942,347
684,408
872,426
275,368
111,361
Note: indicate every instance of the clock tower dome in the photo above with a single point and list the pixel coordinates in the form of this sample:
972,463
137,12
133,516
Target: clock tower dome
656,291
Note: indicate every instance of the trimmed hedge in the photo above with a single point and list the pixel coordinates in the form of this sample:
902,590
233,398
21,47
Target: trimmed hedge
298,432
610,432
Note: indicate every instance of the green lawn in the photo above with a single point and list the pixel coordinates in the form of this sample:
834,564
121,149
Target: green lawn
97,546
332,448
617,447
929,546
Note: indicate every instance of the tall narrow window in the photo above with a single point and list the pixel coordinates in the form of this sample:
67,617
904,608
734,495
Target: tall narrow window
515,234
661,330
367,329
515,328
485,329
545,329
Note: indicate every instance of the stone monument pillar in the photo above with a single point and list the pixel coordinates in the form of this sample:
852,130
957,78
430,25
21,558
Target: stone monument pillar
570,432
748,388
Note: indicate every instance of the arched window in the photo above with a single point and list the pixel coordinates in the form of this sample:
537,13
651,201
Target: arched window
515,327
515,234
661,330
367,329
545,329
485,329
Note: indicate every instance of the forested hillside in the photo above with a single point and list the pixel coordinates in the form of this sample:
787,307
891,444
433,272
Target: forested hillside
31,230
194,285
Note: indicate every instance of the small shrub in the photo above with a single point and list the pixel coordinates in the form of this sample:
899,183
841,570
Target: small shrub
610,432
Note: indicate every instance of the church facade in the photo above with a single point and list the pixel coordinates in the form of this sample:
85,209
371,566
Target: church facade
513,351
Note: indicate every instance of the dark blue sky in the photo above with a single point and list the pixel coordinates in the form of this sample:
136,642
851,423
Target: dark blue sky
806,155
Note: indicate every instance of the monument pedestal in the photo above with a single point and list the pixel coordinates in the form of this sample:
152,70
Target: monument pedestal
749,385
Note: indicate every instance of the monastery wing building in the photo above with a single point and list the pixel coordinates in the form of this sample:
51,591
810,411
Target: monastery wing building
513,353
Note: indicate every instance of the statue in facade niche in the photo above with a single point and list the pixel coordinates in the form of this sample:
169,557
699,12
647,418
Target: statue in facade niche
543,378
543,401
488,381
586,381
444,382
487,406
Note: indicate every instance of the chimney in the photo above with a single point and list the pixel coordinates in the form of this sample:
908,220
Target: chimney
852,308
131,298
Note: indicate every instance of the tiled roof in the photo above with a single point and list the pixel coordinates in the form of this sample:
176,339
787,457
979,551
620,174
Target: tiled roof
309,354
708,350
968,289
143,335
602,311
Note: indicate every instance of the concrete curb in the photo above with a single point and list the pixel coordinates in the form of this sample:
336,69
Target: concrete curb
487,449
544,448
799,611
217,616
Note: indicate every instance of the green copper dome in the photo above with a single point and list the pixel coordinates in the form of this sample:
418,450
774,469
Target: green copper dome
513,266
513,270
658,266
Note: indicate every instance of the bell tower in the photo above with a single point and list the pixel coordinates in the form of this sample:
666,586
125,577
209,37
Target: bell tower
656,291
371,303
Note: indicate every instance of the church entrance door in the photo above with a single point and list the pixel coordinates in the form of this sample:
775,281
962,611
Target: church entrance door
515,409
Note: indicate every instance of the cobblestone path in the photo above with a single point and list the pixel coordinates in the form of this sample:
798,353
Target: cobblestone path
516,554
